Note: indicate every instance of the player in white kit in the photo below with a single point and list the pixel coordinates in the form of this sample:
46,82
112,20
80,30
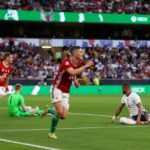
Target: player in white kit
138,114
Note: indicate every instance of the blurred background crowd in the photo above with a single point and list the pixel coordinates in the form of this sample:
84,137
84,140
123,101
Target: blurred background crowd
33,62
105,6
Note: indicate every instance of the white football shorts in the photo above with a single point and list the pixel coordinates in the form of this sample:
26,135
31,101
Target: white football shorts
58,96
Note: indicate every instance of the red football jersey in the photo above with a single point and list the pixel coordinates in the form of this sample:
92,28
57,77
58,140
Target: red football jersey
5,71
63,79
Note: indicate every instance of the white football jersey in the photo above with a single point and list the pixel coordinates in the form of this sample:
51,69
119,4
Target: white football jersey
131,101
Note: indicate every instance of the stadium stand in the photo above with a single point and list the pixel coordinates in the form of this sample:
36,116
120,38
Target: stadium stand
29,63
110,63
120,63
102,6
16,4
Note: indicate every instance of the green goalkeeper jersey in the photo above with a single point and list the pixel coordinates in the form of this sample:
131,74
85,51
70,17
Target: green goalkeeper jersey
14,102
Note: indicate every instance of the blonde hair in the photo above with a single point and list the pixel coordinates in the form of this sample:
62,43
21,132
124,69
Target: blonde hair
18,86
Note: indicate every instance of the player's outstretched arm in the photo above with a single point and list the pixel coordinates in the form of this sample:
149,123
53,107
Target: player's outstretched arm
73,72
118,111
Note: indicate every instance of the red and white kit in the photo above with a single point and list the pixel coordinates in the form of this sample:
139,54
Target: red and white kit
5,71
62,82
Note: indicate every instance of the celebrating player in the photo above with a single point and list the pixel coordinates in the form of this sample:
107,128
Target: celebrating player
5,71
138,115
69,68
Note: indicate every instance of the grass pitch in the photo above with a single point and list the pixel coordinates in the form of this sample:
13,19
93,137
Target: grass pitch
87,127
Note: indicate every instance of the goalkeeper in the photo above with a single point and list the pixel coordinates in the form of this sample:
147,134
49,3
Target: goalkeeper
17,107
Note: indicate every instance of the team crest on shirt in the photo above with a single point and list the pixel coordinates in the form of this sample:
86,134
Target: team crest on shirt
66,63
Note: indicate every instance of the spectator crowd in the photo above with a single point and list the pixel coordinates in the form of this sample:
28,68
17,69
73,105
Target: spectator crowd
28,62
101,6
119,63
110,63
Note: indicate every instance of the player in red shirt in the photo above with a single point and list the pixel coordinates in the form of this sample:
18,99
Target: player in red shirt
69,68
5,71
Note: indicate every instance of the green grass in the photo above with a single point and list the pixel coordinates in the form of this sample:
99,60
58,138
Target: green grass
108,137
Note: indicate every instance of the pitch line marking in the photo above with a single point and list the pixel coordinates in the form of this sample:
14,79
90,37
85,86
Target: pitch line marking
84,114
28,144
77,128
80,114
103,127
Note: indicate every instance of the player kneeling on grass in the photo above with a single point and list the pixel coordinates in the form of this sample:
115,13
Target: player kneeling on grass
69,68
138,115
17,107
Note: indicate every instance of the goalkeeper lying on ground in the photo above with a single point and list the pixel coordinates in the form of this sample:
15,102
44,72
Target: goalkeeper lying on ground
17,107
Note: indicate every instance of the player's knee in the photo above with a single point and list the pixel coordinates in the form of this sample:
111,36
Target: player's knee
59,114
124,120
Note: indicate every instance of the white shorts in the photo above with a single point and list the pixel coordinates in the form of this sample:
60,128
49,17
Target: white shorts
2,90
58,96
